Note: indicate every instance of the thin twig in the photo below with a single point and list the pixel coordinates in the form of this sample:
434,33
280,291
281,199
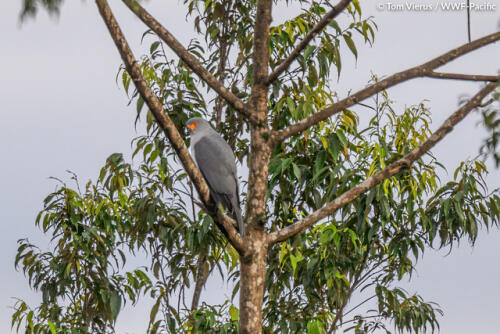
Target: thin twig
360,304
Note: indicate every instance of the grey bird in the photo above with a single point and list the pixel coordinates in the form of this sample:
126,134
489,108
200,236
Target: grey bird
216,161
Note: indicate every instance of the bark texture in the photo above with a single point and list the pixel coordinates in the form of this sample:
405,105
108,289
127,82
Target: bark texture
253,266
253,262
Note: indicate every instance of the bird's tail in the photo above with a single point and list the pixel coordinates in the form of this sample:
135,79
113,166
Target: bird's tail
239,219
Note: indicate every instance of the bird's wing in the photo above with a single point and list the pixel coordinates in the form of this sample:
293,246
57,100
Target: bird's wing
216,161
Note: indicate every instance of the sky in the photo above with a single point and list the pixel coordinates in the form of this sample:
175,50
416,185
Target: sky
61,109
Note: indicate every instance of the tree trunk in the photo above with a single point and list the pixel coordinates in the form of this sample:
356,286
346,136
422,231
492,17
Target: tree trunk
253,261
252,280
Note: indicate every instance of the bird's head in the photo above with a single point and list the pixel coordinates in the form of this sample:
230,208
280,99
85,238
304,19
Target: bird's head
197,125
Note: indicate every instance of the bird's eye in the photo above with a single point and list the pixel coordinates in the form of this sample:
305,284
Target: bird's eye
192,126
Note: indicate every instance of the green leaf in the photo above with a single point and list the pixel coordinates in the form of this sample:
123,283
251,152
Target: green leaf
342,137
336,60
153,47
52,328
296,171
154,310
140,104
294,260
285,163
336,26
291,106
309,51
348,40
357,6
234,313
343,278
458,209
115,303
218,11
156,325
314,327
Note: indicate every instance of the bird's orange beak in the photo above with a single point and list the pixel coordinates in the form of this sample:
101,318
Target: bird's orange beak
192,126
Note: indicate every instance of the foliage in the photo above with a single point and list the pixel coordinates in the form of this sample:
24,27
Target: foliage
30,7
375,240
126,211
149,208
491,122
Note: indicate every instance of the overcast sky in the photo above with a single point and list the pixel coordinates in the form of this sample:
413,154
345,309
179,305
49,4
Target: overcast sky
62,110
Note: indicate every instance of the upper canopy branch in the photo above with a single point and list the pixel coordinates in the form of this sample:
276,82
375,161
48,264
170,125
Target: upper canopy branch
423,70
189,59
225,223
307,39
385,173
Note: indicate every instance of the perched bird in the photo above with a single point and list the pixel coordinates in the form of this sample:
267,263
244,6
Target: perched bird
216,161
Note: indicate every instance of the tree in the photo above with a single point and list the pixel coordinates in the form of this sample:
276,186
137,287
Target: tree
332,207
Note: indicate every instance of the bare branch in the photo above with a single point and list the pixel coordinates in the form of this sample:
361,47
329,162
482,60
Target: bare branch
200,279
167,125
188,58
468,77
486,103
385,173
414,72
337,9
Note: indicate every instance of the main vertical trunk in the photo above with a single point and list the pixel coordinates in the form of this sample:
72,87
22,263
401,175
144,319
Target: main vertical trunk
252,281
253,261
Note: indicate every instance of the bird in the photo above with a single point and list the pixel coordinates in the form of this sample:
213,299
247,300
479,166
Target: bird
216,161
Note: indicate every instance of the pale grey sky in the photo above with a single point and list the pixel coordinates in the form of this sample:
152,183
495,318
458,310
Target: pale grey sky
61,109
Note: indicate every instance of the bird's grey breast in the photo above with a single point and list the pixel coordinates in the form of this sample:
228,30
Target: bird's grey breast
216,161
194,139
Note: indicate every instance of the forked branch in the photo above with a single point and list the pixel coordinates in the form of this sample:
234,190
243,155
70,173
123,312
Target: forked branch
225,223
337,9
189,59
424,70
385,173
